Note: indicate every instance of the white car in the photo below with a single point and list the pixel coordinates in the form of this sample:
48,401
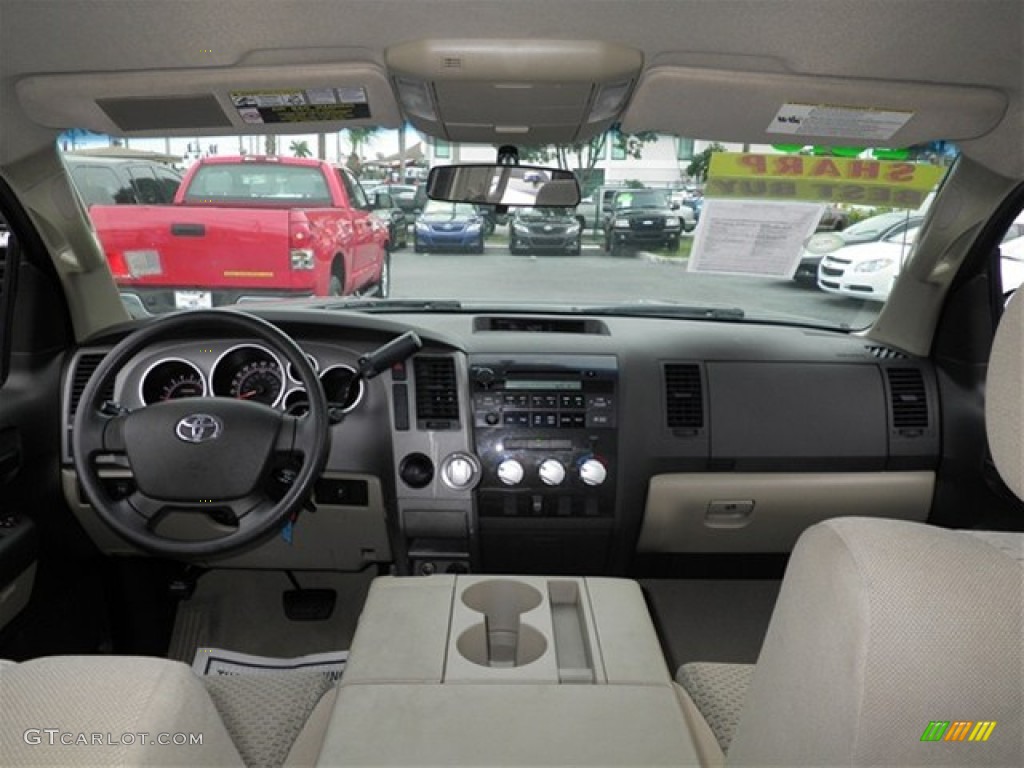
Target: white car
868,270
1012,263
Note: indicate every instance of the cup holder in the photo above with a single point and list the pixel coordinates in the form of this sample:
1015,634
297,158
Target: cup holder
501,597
487,647
502,640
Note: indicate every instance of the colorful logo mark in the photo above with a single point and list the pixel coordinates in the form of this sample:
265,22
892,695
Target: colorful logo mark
958,730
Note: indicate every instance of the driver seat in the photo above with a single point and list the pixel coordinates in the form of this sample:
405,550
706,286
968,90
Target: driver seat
142,711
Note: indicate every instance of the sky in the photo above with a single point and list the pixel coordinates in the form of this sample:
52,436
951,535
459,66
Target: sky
385,142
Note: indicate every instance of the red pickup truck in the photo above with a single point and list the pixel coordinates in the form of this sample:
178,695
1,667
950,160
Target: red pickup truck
247,229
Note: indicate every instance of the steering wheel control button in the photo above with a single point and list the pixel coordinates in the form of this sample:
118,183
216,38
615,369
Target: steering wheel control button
460,471
510,472
552,472
593,472
199,428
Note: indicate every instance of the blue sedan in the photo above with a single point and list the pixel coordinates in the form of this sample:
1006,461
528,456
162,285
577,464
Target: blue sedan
449,226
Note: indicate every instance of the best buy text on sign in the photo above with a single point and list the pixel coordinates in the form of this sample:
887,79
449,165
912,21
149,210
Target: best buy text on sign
889,183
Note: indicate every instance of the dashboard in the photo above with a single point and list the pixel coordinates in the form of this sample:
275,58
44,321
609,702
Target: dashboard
554,444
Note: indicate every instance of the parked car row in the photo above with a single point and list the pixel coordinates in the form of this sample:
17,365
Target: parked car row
165,251
868,257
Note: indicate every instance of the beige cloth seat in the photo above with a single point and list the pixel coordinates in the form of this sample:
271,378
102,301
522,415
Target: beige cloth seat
883,627
108,711
141,711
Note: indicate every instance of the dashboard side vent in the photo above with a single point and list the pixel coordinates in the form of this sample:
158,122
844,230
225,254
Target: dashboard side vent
684,399
884,353
909,399
84,368
437,397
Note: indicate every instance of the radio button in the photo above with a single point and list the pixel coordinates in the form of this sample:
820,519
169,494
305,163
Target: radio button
600,419
544,419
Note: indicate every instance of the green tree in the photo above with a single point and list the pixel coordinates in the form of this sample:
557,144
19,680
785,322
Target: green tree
698,167
299,149
359,138
582,157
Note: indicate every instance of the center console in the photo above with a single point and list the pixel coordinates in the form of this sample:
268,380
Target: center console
506,464
545,430
525,670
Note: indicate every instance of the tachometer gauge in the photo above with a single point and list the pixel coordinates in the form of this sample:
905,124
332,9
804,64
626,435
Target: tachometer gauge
171,380
259,381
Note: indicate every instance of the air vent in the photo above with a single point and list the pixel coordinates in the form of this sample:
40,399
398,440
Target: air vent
437,398
684,401
884,353
84,368
909,399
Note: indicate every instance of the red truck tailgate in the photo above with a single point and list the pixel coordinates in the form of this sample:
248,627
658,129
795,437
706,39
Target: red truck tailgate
199,247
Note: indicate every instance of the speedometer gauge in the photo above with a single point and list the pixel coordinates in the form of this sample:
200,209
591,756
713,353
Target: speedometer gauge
259,381
249,372
171,380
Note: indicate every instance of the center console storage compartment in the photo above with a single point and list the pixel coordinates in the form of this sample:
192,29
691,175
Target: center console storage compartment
524,670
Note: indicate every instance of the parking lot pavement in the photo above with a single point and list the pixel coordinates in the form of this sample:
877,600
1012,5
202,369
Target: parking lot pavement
595,277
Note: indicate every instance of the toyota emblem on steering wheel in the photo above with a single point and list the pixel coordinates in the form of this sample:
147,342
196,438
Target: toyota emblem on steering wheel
198,428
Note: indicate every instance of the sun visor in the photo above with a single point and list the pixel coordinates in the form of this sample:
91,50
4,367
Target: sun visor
307,98
513,91
777,108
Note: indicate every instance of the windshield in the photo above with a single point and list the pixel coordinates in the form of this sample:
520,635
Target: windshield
666,225
540,214
641,198
442,210
256,182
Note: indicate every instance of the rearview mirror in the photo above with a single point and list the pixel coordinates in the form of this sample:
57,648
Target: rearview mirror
514,185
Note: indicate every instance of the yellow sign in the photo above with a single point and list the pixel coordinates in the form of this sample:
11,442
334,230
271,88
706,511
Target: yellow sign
894,184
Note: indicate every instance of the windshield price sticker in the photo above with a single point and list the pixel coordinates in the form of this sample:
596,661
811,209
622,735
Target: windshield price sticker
821,179
762,239
839,122
313,105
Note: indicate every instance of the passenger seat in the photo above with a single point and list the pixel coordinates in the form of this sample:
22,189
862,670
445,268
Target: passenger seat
883,628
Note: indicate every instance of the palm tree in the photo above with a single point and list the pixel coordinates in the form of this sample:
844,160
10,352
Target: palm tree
299,149
359,137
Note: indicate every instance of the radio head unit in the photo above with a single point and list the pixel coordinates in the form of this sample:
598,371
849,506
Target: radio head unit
545,432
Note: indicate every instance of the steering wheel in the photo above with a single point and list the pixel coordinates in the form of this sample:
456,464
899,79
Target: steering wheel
200,455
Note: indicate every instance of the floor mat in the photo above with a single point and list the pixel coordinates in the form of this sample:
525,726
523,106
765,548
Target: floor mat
245,611
217,661
265,701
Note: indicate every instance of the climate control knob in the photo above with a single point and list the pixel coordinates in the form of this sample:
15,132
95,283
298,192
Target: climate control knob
511,472
552,472
593,472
